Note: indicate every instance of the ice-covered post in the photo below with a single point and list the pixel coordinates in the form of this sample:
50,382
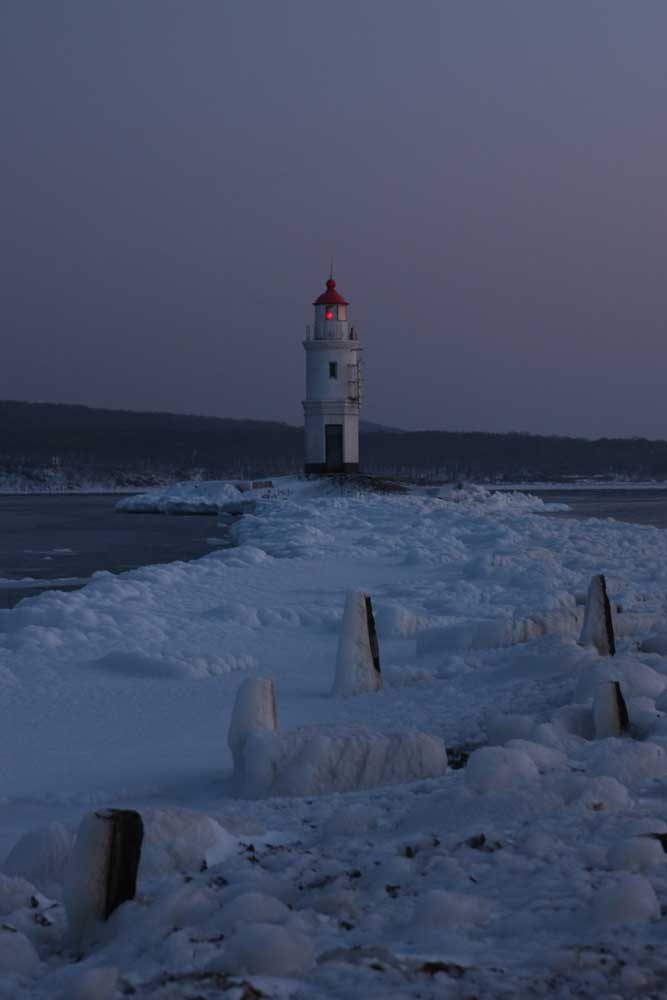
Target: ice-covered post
358,660
610,713
254,708
102,870
598,628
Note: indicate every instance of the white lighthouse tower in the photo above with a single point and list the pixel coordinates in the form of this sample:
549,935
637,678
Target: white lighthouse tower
333,387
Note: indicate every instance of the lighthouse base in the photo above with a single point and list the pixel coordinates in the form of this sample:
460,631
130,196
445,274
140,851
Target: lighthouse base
331,436
322,469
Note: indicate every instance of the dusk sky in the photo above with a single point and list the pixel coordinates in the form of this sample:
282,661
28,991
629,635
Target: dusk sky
489,175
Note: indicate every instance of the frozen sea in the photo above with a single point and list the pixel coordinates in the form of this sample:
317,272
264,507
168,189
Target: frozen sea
333,856
44,539
635,506
61,541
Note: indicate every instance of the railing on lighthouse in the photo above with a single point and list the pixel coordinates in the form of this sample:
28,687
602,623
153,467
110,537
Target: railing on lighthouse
354,382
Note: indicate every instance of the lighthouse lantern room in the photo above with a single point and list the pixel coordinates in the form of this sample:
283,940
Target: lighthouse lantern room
333,387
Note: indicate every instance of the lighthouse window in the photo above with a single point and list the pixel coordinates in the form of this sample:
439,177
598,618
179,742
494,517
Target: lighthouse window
333,369
342,313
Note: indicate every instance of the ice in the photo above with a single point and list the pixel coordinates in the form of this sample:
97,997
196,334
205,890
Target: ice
633,763
655,644
610,713
30,583
638,854
637,679
643,715
598,629
496,632
631,899
325,759
266,950
18,956
438,909
85,889
254,708
178,839
254,907
189,498
507,726
41,856
357,662
94,984
544,758
14,893
345,857
495,769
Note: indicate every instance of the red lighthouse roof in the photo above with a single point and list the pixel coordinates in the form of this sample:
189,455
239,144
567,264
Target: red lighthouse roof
331,297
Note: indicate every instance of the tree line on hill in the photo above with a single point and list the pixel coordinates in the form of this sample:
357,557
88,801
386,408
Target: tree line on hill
65,445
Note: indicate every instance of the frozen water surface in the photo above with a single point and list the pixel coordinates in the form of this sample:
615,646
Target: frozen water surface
637,506
48,540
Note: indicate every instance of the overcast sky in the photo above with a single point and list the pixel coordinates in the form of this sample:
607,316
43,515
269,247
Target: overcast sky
490,176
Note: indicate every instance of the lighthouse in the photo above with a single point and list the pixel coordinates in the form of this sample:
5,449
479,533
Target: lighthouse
333,387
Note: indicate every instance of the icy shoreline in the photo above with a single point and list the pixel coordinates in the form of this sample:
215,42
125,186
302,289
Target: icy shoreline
533,870
581,484
107,489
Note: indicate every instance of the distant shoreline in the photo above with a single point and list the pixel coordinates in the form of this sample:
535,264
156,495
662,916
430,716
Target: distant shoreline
579,485
72,493
524,487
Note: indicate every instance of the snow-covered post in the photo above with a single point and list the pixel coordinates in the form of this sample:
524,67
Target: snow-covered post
254,708
610,713
102,870
358,660
598,628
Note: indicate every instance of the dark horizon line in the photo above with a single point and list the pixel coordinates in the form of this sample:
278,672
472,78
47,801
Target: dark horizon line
381,428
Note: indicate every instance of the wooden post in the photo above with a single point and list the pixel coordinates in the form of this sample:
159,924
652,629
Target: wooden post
598,627
610,713
102,871
358,659
254,708
127,834
372,633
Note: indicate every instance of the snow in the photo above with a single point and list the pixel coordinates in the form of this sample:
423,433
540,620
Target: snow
254,708
41,855
29,583
177,839
197,497
437,909
350,860
266,950
494,769
94,984
18,956
636,854
325,759
629,900
636,677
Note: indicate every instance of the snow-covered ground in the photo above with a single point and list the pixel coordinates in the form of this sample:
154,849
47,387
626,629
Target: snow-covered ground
535,870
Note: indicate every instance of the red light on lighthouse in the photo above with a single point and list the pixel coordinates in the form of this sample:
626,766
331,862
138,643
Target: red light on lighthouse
328,314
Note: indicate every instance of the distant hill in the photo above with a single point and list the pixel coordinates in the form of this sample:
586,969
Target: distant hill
53,445
368,427
125,446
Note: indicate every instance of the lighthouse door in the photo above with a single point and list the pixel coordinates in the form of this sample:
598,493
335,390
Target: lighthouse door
333,439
